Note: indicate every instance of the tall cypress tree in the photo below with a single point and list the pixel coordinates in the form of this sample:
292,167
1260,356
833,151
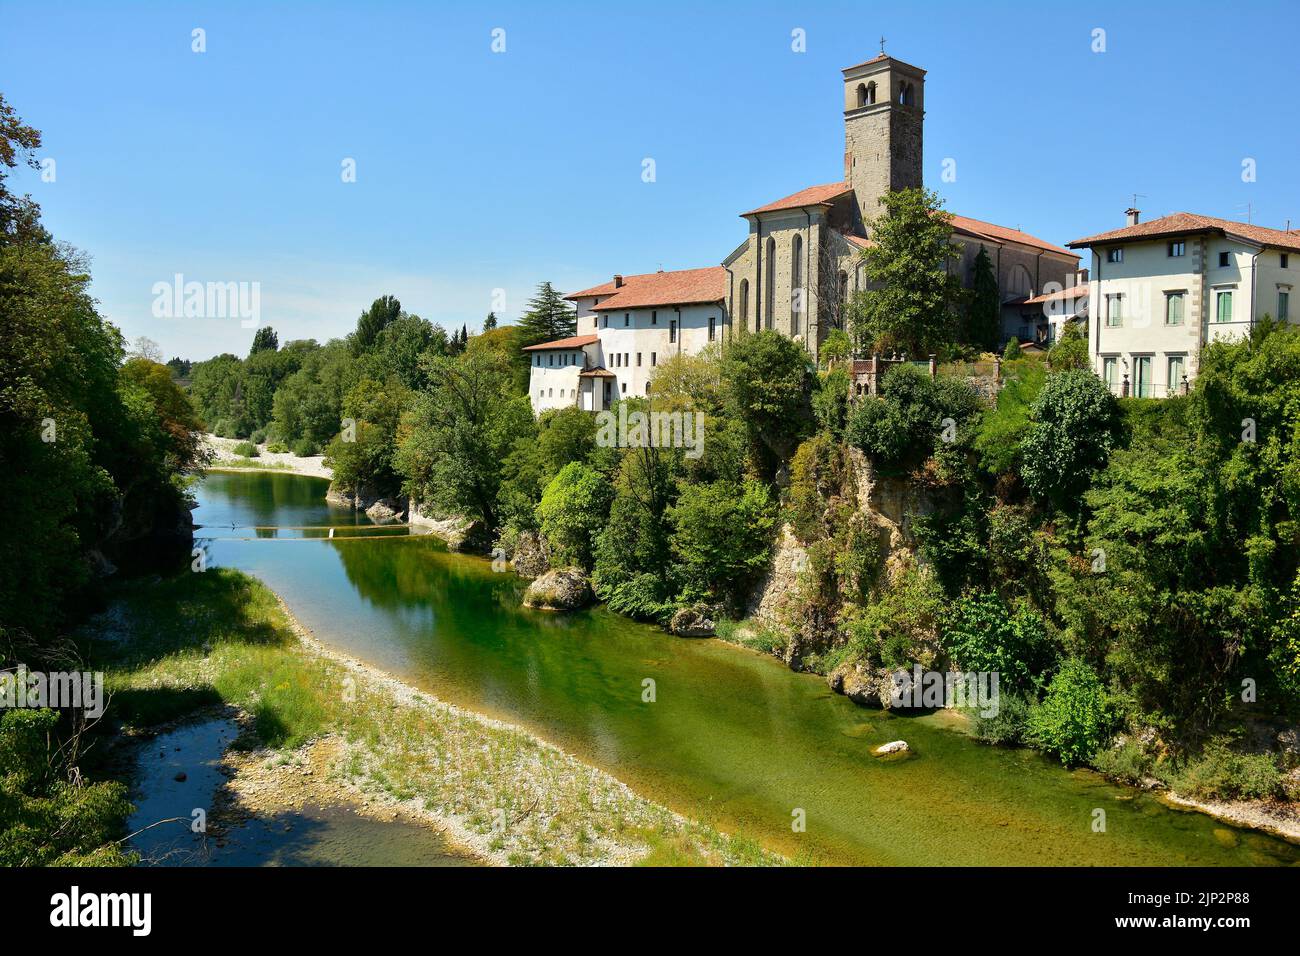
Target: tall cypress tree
373,321
983,320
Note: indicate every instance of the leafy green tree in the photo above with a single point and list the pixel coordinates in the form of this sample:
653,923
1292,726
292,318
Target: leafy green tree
573,508
913,417
490,322
838,346
722,536
1070,350
547,317
1074,719
49,816
982,634
19,215
1012,352
264,339
984,314
459,432
769,387
913,296
1074,424
374,320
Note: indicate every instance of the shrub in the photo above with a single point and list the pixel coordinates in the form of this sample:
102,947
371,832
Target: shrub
722,534
304,448
982,634
246,449
1127,763
1073,720
573,508
224,428
1008,726
1074,424
1070,350
1012,351
258,436
277,448
1219,772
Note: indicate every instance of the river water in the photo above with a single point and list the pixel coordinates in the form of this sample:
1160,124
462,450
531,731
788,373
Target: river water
733,737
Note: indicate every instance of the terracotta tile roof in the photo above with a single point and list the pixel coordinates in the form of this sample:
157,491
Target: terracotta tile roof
597,372
988,230
683,287
860,241
879,57
812,196
573,342
1184,223
1074,292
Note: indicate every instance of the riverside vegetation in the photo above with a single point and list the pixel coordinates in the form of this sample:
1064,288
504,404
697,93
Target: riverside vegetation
1129,566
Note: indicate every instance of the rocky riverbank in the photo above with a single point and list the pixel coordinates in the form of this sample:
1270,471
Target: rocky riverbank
224,457
331,730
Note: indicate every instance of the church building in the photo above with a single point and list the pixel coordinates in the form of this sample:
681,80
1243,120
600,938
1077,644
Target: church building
801,262
799,265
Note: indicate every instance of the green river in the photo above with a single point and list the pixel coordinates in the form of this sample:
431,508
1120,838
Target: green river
733,737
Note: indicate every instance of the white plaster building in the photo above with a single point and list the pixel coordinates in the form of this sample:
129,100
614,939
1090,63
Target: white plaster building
1161,290
626,327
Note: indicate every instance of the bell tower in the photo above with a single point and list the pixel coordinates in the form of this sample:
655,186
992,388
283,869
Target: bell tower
884,114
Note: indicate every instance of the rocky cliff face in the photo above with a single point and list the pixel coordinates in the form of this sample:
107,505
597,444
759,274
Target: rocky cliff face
379,508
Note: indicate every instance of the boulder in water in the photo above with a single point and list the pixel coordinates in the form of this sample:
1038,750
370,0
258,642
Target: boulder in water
692,622
892,748
565,589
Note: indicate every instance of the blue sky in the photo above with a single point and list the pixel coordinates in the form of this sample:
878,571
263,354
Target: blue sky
479,171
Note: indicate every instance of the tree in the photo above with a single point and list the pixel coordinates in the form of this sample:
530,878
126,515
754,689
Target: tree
573,509
459,433
769,388
983,634
908,421
1074,424
1074,719
912,296
1070,350
984,315
264,339
722,534
547,317
145,348
19,215
838,346
490,322
374,320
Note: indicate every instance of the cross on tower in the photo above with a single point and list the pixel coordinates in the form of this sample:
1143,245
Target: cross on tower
882,46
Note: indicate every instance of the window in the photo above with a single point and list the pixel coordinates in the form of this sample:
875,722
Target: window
627,319
653,359
744,302
623,388
672,330
1142,376
711,327
1114,311
604,321
1225,259
627,359
1223,307
1175,375
769,297
638,359
1174,308
844,287
905,94
1115,255
537,360
550,359
550,393
654,318
1283,306
1110,372
1286,261
796,282
1177,248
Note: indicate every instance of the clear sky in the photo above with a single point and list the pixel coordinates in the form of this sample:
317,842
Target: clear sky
478,170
